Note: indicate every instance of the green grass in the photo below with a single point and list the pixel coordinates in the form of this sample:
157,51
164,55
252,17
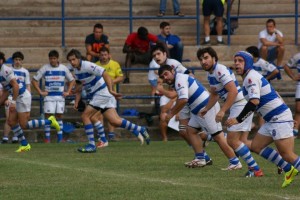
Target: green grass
126,170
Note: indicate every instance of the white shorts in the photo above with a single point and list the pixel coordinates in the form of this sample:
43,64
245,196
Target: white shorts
297,95
23,102
185,113
103,101
235,110
163,100
208,122
54,107
279,129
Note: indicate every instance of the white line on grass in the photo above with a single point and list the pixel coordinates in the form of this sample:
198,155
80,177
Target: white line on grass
134,176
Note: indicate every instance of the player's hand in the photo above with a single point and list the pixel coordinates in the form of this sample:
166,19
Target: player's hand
231,122
44,93
116,95
220,116
65,94
12,106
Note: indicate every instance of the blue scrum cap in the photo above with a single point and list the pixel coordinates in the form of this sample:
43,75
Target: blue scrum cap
247,58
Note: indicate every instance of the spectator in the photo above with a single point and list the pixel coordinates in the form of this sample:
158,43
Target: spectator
163,7
294,61
271,44
216,7
173,42
115,72
266,69
94,42
137,48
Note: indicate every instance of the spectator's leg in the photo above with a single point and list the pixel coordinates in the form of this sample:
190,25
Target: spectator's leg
163,6
264,52
280,54
128,63
176,6
219,28
206,28
177,51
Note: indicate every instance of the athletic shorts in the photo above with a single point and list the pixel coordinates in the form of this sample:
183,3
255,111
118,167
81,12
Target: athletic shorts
235,110
23,102
102,101
54,107
208,122
272,54
213,6
280,128
185,113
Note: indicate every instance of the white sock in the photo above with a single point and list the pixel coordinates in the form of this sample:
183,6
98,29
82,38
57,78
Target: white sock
220,38
207,38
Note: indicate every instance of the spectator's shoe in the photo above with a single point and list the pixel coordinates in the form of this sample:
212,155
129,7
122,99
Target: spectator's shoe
195,163
179,14
206,43
209,162
23,148
126,80
102,144
54,123
233,167
252,173
146,136
279,170
160,14
141,138
89,148
289,177
220,42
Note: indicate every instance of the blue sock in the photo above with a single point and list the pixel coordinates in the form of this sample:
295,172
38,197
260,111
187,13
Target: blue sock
199,156
47,129
274,157
133,128
19,132
244,152
36,123
60,133
89,130
100,130
234,160
206,156
111,135
297,163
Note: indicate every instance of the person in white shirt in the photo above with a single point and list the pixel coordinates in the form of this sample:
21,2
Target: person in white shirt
271,44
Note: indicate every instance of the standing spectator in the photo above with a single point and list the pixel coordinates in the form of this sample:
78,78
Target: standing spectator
137,48
55,75
271,44
94,42
294,61
216,7
163,8
173,42
115,72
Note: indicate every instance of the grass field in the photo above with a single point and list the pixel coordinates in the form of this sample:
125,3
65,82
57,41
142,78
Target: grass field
126,170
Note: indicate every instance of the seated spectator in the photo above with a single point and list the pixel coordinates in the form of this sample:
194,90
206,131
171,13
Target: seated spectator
266,69
271,44
163,8
94,42
137,49
173,42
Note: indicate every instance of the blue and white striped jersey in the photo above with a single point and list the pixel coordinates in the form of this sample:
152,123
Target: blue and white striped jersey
255,86
23,78
176,65
294,62
264,67
6,75
54,79
188,87
90,76
220,76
